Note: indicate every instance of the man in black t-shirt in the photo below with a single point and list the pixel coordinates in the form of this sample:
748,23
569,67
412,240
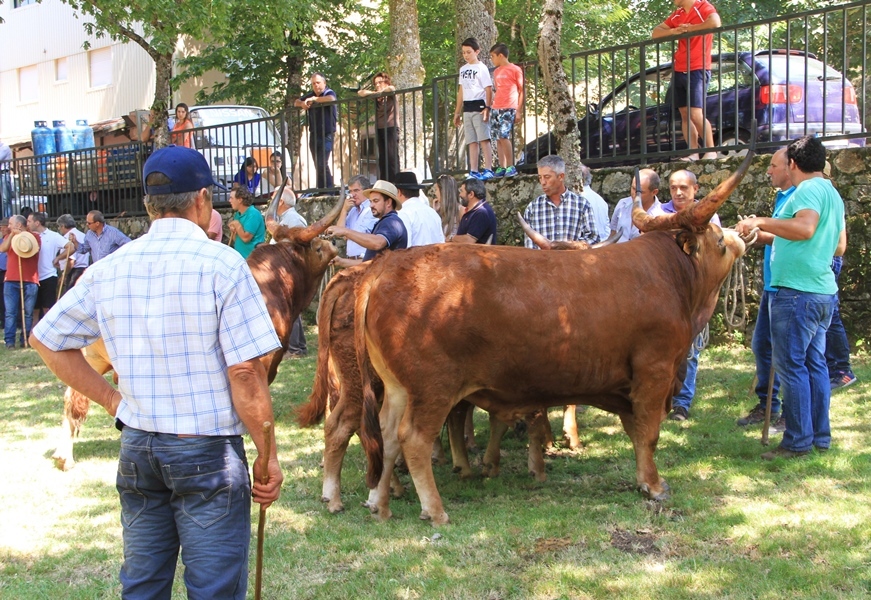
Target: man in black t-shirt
478,223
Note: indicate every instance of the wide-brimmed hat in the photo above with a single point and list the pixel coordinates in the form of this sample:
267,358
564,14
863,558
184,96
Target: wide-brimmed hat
386,188
25,245
407,180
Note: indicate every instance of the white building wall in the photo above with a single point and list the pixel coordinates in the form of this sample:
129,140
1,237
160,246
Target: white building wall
39,34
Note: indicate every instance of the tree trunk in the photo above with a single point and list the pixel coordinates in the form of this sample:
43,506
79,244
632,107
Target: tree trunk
559,99
292,133
162,98
475,19
407,71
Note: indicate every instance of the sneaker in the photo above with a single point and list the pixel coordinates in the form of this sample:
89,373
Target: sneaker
780,452
486,174
757,415
778,426
500,172
842,380
475,175
511,171
679,414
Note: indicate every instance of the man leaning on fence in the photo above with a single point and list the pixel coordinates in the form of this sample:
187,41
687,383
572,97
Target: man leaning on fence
102,239
184,336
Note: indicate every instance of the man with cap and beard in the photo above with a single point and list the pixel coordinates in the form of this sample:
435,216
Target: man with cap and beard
389,232
22,279
185,337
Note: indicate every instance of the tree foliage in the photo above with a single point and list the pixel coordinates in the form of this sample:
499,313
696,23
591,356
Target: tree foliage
156,26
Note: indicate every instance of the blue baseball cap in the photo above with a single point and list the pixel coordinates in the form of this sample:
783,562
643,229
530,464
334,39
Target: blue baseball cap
187,170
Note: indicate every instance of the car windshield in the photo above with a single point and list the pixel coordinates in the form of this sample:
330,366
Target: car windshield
234,127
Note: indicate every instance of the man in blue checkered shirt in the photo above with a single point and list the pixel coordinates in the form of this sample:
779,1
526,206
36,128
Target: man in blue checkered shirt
184,325
559,214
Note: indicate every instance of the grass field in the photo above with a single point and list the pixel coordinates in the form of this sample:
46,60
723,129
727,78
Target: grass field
736,527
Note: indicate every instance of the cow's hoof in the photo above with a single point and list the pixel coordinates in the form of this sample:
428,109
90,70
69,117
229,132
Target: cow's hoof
441,519
658,496
540,477
424,516
490,471
63,463
335,508
466,474
383,514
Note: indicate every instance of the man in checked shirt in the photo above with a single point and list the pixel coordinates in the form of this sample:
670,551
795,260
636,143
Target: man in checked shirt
559,214
184,336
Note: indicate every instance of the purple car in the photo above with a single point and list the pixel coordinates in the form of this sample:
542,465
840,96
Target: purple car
790,94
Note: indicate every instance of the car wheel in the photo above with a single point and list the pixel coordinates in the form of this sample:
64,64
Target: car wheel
738,144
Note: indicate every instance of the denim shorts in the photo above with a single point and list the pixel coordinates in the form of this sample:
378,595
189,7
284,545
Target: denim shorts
692,86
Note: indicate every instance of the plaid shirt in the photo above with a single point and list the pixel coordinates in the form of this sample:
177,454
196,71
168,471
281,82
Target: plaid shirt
175,310
101,246
571,221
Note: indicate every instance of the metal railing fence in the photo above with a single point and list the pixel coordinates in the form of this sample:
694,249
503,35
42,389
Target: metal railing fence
792,74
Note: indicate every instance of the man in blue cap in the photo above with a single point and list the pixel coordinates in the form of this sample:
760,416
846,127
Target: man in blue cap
184,325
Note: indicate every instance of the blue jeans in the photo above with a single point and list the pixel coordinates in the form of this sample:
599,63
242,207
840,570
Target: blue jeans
12,301
761,346
190,492
321,149
798,335
837,346
684,398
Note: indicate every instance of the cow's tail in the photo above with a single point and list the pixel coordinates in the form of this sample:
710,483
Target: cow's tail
312,413
370,426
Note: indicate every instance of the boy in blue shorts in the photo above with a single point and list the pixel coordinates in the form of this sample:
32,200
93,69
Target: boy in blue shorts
508,80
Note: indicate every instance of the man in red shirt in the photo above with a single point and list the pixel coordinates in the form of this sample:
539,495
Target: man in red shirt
27,274
692,68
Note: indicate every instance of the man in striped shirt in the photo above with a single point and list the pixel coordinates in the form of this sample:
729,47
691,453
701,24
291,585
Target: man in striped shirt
559,214
184,336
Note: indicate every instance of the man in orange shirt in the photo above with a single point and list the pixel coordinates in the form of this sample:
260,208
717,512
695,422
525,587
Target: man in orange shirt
692,68
508,81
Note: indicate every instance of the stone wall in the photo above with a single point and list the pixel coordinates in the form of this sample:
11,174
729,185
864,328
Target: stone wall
851,172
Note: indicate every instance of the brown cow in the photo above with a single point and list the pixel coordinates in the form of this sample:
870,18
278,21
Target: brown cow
513,331
337,391
288,274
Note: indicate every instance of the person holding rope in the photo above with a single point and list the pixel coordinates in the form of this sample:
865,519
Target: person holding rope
22,279
185,337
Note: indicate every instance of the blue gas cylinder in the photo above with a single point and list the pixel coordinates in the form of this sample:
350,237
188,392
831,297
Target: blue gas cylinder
63,137
83,135
42,137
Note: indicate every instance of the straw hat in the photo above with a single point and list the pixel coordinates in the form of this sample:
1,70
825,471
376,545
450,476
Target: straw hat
386,188
25,245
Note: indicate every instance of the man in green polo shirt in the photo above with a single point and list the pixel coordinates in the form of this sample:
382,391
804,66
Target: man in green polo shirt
809,231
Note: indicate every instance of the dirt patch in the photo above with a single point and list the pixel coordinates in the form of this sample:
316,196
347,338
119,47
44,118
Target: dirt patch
642,541
546,546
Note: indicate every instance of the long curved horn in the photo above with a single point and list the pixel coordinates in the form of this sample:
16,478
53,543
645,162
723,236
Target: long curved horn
272,209
315,229
538,239
616,234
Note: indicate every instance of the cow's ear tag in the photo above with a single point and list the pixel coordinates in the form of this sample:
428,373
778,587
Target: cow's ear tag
688,242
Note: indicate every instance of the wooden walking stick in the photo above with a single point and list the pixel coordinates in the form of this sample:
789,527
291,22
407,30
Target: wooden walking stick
261,524
63,276
21,289
768,406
